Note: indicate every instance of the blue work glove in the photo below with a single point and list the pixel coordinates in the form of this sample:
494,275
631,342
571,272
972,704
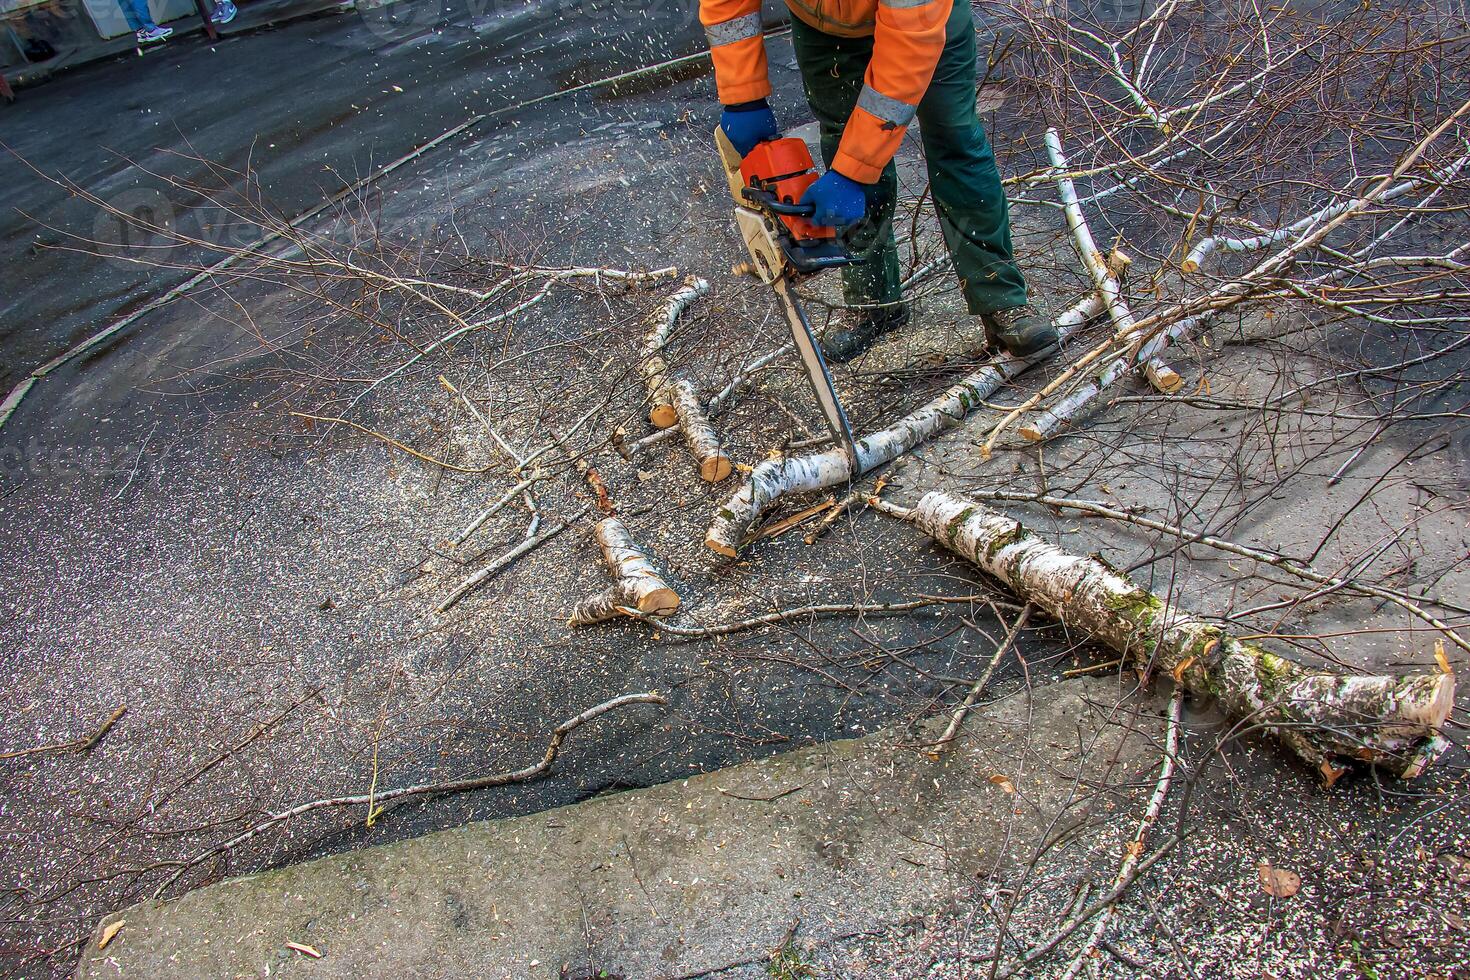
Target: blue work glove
748,123
840,201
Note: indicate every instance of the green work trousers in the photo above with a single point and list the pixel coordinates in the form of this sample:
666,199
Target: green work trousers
963,179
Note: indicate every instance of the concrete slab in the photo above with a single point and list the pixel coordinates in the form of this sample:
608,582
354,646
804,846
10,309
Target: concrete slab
671,881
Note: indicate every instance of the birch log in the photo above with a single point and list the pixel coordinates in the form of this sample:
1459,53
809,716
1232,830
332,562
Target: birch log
774,478
652,364
1106,271
1325,718
719,402
1046,422
703,442
636,583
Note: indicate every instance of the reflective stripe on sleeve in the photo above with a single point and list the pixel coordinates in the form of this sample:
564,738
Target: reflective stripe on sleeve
888,109
903,4
731,31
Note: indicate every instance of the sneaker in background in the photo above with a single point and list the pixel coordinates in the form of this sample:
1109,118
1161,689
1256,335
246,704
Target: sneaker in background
149,35
223,13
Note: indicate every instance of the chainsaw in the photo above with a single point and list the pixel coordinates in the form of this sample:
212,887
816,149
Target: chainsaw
785,245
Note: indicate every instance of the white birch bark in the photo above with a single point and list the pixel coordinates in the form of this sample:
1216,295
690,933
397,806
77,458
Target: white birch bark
775,478
1206,247
652,364
716,404
1045,423
1103,277
699,435
1326,718
1106,272
637,584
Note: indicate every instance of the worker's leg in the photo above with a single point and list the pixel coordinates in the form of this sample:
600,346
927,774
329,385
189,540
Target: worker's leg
963,178
832,70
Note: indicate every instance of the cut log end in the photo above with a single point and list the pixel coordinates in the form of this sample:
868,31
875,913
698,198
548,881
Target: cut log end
715,469
1031,433
720,547
659,602
663,416
1435,710
1188,266
1424,756
1163,378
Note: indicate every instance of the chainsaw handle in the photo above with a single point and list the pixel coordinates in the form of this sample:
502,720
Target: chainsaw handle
768,200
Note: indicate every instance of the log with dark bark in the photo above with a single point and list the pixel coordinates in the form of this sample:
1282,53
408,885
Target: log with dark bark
1328,718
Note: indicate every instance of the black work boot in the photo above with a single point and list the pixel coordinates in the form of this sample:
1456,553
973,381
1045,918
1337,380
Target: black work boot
859,328
1022,330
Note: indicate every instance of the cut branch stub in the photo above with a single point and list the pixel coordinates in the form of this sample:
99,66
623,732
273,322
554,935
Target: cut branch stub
703,441
637,585
1323,717
652,364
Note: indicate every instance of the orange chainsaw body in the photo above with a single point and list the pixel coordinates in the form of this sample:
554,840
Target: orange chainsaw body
784,167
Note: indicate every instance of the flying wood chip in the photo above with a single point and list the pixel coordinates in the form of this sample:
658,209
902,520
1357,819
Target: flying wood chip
1439,658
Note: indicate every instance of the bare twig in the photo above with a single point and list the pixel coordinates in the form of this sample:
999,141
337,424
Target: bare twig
944,742
1135,847
531,542
378,800
76,747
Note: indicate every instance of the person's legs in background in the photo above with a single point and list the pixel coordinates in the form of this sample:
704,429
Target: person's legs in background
140,19
137,14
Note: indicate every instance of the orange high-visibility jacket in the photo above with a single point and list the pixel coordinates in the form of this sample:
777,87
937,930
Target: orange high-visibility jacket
908,36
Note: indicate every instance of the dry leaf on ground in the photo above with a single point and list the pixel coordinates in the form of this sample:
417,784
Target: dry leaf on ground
109,931
1279,882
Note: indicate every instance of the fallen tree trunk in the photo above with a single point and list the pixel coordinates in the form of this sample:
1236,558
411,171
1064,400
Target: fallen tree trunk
637,585
775,478
1325,718
652,364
